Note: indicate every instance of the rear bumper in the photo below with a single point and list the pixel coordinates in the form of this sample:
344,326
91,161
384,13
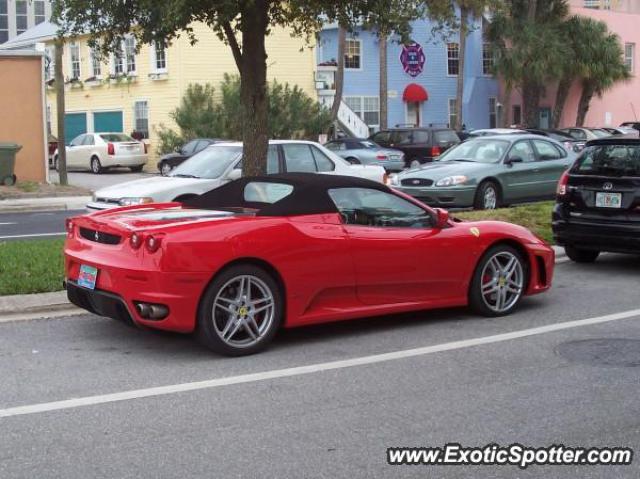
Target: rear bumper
446,197
129,160
391,165
612,237
120,288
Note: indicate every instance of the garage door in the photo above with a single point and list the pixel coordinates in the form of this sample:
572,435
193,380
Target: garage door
108,121
74,124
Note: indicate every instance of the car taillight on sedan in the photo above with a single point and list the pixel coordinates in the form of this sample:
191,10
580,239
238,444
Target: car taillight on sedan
562,184
381,157
111,149
435,151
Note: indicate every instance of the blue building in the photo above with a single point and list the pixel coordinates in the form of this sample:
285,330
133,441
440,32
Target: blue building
422,77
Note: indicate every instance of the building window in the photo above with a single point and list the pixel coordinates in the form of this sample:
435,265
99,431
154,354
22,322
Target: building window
352,54
141,118
49,63
75,60
630,56
516,117
118,61
96,63
4,21
21,16
453,117
159,58
453,58
38,12
492,112
487,59
130,54
366,107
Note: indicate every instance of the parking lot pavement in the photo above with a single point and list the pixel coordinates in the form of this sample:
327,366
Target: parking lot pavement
574,386
34,225
95,182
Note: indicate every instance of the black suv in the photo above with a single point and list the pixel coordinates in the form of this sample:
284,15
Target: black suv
598,202
419,145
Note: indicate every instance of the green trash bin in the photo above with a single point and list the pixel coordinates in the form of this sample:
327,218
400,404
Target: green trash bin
8,162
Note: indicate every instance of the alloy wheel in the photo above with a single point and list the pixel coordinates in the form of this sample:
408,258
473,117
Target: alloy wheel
502,281
490,198
243,311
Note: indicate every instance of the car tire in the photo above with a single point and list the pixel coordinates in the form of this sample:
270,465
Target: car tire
414,164
581,255
494,292
165,168
95,165
487,196
228,324
353,161
136,169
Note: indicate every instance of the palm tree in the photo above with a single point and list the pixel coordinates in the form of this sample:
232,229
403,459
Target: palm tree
605,67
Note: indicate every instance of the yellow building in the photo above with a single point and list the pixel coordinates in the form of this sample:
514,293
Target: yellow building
135,92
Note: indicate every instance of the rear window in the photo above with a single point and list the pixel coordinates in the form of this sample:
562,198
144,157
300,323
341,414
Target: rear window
263,192
116,137
446,136
609,160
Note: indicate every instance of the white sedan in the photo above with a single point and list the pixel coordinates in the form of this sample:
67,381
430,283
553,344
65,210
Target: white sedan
222,162
99,151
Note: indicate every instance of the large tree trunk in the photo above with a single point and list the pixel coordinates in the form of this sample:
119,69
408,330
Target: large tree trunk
585,101
253,88
342,40
464,28
384,95
505,120
60,106
561,99
530,103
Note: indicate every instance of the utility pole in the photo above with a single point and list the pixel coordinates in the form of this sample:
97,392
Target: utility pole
62,144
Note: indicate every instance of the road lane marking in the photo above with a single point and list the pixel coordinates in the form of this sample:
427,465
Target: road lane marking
36,235
4,224
310,369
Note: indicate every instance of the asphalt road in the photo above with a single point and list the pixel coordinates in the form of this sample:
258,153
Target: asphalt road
576,385
34,225
94,182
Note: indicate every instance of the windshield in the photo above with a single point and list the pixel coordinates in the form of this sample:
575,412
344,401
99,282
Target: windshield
210,163
609,160
116,137
478,151
600,133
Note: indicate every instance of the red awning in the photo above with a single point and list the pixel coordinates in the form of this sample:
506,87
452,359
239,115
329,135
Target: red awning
414,93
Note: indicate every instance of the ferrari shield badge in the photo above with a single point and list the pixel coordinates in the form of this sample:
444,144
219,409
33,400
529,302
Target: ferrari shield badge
475,231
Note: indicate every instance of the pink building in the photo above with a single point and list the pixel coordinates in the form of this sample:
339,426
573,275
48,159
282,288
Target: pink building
622,102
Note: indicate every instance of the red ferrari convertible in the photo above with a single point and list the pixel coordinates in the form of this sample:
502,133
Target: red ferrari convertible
241,261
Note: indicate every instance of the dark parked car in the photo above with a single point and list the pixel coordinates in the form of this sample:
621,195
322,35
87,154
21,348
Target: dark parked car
419,145
631,124
569,142
169,161
598,200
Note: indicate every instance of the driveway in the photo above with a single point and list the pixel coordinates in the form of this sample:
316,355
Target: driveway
95,182
105,400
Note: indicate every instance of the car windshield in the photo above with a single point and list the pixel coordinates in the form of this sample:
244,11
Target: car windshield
600,133
478,151
210,163
609,160
115,137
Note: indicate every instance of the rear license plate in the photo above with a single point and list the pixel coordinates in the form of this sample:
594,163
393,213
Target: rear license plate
608,200
87,277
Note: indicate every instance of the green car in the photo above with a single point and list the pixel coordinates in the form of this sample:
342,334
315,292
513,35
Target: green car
489,172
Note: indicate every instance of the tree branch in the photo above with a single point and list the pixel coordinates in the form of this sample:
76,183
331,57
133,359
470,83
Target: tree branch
233,42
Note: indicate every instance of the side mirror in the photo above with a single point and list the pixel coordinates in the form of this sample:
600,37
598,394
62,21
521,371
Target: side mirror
442,218
234,174
512,160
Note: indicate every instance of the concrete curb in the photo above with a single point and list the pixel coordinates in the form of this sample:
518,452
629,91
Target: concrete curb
51,203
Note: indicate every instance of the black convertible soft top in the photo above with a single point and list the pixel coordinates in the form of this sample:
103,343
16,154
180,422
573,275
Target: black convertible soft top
309,196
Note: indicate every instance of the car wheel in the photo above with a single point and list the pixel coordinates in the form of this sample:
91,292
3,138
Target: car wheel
487,196
96,166
241,311
414,164
353,161
498,282
165,168
581,255
136,169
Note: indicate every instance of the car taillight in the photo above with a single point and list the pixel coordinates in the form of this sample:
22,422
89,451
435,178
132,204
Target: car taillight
381,157
562,184
111,149
152,243
435,151
135,241
69,227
